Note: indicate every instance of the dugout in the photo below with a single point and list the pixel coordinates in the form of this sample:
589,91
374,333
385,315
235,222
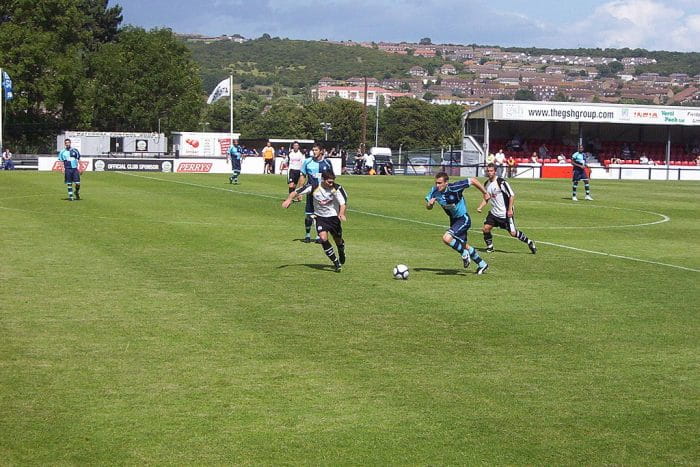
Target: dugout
115,143
668,135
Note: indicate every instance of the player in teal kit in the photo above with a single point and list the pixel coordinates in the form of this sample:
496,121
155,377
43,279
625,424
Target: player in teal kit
71,174
235,156
449,196
578,160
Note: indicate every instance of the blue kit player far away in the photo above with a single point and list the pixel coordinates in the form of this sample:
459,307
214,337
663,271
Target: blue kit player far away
311,171
450,197
70,157
578,160
235,156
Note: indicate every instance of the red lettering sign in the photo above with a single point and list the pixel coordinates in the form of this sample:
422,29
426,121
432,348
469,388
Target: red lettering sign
58,166
195,167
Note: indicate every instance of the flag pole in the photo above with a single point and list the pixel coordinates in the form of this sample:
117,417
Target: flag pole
230,99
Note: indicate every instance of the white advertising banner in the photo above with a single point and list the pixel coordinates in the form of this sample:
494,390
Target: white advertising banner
602,113
196,144
52,164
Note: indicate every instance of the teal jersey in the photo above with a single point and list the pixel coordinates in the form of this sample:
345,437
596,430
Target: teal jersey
69,157
579,158
452,199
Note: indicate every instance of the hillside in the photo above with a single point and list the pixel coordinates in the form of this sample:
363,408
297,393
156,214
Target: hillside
295,63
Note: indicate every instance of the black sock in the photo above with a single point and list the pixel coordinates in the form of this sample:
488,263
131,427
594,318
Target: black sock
522,237
488,238
308,222
77,188
328,249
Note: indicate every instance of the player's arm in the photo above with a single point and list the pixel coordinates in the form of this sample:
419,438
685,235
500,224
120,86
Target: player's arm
481,205
299,191
430,200
474,181
342,198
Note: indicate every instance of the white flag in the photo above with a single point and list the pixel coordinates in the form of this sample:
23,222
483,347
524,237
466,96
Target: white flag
222,89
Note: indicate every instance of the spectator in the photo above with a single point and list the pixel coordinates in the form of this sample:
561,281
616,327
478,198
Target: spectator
561,159
387,168
7,163
543,152
643,159
697,161
515,144
627,152
368,159
268,153
490,159
533,158
511,166
500,162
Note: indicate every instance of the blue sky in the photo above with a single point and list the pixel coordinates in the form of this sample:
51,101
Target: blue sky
650,24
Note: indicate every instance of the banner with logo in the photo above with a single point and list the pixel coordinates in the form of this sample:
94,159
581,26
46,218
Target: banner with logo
602,113
132,165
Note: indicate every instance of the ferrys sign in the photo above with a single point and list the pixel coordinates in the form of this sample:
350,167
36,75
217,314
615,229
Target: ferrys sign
194,167
58,166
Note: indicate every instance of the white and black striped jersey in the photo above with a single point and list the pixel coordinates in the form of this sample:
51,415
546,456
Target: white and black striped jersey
327,202
500,192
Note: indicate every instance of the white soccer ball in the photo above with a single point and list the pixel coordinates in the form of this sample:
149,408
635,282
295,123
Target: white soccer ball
400,272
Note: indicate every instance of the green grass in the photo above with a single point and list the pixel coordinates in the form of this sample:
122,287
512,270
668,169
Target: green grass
178,320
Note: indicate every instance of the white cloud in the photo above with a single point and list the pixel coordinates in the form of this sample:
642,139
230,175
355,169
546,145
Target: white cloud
649,24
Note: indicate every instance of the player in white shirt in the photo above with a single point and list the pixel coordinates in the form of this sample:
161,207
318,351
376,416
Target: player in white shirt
330,202
296,159
502,198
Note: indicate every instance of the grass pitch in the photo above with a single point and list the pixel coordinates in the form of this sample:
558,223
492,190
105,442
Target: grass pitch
176,319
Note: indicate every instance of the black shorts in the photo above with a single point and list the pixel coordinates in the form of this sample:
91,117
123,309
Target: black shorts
293,176
579,174
330,225
506,223
71,175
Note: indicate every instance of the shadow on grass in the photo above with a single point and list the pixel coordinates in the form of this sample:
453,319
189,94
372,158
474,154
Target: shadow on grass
444,272
318,267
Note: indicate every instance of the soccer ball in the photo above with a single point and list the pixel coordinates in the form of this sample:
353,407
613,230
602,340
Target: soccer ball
400,272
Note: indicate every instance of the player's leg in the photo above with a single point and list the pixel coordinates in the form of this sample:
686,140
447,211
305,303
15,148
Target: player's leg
489,223
68,180
573,188
340,243
76,183
515,233
308,220
587,187
469,251
322,228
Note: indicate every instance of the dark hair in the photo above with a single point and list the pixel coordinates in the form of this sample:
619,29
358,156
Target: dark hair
328,175
67,139
442,175
491,165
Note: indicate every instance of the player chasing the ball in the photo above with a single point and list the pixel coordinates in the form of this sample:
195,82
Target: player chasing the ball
502,199
450,197
329,205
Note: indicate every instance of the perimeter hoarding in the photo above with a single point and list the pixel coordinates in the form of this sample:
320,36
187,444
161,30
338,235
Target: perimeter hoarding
200,144
595,113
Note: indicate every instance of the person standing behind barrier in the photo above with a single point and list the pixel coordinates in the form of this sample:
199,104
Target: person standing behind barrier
7,163
578,160
235,156
70,157
500,161
268,153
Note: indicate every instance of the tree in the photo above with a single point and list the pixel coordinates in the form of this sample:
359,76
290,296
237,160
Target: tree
429,96
425,41
142,77
46,47
345,116
409,122
524,95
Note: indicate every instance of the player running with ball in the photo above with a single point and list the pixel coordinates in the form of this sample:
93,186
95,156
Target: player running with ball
449,197
329,204
502,198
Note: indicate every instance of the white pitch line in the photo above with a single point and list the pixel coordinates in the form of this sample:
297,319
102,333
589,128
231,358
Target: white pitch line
413,221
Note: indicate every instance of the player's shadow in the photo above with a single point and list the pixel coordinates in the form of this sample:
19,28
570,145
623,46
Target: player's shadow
444,272
301,240
318,267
